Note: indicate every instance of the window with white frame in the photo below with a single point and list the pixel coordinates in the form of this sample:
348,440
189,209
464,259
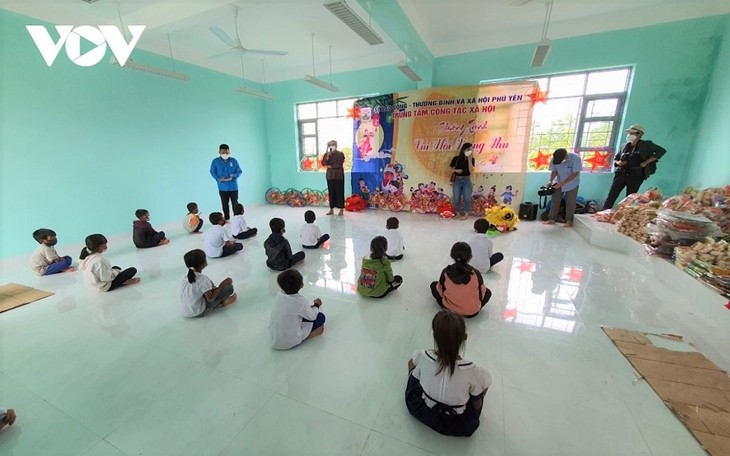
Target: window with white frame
582,113
320,122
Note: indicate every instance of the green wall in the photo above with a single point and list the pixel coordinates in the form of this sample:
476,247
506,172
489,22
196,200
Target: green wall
709,161
82,148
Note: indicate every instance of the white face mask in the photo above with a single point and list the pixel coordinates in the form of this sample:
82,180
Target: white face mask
225,156
631,138
468,153
330,149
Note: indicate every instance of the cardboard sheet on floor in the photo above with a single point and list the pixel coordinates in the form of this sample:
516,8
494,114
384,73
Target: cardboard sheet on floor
692,386
13,295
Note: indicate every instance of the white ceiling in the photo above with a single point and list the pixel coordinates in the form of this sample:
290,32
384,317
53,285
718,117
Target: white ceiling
445,26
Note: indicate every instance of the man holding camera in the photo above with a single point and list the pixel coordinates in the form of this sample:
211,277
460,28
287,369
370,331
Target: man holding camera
565,171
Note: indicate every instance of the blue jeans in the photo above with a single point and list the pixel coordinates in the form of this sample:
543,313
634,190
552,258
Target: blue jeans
462,188
55,268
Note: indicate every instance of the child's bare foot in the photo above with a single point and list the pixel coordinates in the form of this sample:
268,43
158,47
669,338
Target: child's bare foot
164,242
70,269
549,222
330,212
230,300
132,281
568,224
341,212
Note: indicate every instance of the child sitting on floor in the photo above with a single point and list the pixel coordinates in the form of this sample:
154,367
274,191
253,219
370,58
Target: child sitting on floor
143,235
461,287
279,256
446,392
193,223
293,320
44,260
311,235
239,228
481,248
376,275
198,294
216,241
395,239
98,273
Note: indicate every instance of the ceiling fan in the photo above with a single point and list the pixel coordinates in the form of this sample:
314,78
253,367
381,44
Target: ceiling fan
236,46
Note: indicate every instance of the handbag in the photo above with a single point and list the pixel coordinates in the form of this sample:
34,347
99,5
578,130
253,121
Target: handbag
453,177
543,193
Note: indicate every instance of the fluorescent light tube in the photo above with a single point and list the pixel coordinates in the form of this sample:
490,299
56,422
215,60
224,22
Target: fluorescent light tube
408,71
254,93
320,83
541,52
344,13
150,69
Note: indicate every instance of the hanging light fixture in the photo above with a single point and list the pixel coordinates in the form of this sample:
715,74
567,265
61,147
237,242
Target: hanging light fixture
253,92
543,47
406,69
314,80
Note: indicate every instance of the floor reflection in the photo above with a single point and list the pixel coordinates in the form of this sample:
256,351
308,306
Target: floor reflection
540,297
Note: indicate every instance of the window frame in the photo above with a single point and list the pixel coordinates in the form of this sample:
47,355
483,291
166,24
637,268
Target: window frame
582,119
301,153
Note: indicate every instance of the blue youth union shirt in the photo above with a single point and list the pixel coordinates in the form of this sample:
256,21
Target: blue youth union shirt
228,168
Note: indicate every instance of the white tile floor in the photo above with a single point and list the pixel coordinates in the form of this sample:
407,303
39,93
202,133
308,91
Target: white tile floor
123,373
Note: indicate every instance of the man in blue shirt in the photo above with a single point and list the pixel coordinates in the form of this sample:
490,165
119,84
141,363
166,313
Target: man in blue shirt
566,167
225,171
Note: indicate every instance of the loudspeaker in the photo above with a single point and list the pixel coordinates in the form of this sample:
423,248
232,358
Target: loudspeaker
528,211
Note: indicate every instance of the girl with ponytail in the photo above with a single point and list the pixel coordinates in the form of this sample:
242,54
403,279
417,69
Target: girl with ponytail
461,287
198,294
98,272
445,392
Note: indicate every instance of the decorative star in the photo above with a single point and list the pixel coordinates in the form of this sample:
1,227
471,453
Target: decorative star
540,160
307,163
574,274
353,113
599,160
537,96
526,266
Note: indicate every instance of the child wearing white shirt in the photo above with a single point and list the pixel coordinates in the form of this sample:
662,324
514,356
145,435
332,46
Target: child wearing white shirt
310,235
395,240
44,260
239,228
216,241
293,320
481,248
446,392
98,272
198,294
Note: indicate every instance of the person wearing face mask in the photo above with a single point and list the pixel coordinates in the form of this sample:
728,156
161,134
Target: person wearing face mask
565,171
634,164
334,161
225,171
463,166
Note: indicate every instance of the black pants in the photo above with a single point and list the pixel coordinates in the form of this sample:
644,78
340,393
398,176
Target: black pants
251,232
495,258
200,225
225,197
440,300
442,418
122,277
320,241
397,281
336,189
231,249
394,258
631,179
